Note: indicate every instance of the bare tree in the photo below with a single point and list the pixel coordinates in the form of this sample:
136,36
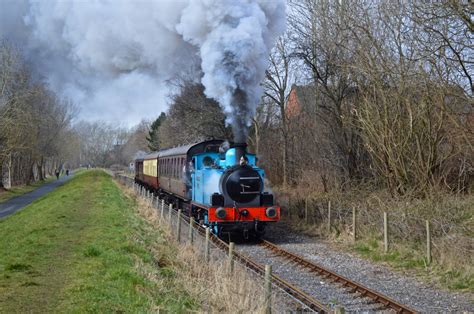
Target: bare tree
321,35
277,85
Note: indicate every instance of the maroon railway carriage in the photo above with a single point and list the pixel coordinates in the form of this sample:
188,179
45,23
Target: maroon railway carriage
167,171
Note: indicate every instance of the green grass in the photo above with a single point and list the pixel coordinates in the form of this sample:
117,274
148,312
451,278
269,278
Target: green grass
409,258
81,248
397,257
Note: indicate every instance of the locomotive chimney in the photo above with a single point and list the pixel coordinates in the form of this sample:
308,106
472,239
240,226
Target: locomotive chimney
239,151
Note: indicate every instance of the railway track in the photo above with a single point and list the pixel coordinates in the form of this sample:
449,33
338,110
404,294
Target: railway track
295,292
294,289
351,286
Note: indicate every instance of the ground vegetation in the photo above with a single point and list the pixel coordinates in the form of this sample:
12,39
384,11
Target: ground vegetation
371,106
82,248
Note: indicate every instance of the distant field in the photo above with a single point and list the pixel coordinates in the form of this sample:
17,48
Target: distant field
82,249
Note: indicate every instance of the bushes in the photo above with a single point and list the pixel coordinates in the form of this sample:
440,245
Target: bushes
450,216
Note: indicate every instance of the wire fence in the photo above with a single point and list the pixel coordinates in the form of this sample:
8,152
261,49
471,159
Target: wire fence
435,233
186,232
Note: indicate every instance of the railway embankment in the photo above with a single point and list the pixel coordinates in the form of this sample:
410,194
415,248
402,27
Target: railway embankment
430,239
83,248
208,277
363,286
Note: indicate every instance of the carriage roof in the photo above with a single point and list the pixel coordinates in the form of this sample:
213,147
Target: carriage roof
189,150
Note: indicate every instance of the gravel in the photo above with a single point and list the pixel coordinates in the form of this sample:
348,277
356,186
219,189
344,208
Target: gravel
318,287
420,296
407,290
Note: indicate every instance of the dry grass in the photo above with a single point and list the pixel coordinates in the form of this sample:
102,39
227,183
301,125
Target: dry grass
451,218
212,284
217,288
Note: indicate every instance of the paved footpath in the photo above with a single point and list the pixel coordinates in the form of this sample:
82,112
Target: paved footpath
15,204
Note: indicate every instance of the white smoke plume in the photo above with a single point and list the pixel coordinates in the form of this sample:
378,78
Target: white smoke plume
116,54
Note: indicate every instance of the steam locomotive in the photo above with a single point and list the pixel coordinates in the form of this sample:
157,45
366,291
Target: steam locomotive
217,184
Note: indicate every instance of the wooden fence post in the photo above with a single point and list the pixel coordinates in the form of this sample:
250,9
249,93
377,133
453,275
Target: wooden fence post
385,231
231,257
289,207
329,216
206,246
268,289
354,224
428,243
170,208
339,310
306,210
178,226
162,209
191,231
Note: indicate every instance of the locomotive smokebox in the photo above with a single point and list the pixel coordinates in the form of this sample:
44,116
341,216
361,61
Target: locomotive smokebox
240,149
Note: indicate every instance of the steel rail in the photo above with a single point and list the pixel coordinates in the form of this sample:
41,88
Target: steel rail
295,292
346,282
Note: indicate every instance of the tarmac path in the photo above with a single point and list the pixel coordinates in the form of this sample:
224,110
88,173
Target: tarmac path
17,203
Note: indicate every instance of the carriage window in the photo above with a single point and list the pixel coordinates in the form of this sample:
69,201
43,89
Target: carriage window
178,167
175,167
173,174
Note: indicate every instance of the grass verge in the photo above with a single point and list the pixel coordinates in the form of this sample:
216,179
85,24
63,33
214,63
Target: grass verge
451,220
81,248
409,257
211,284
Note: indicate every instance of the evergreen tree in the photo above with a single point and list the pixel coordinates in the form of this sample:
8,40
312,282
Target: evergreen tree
153,136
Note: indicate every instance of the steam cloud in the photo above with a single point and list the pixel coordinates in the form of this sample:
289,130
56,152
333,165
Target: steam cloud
116,54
